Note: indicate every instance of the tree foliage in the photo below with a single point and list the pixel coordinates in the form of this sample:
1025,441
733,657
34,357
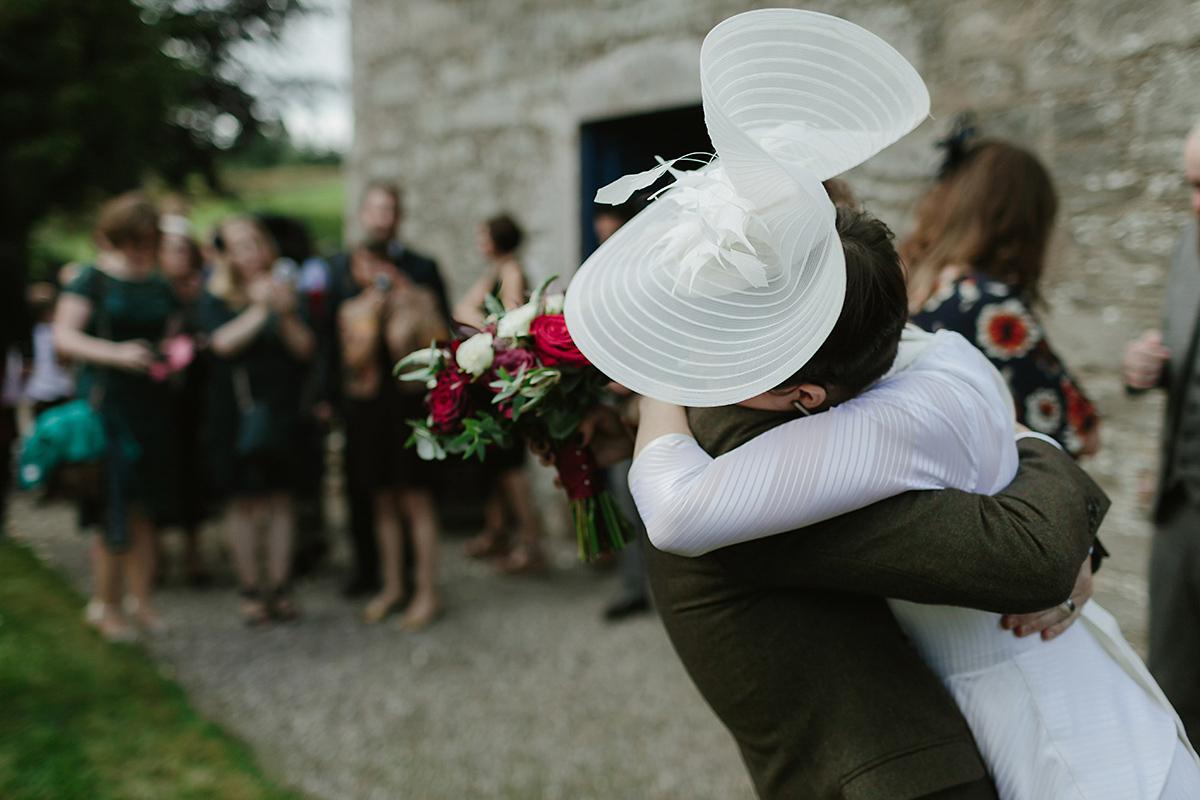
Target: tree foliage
96,94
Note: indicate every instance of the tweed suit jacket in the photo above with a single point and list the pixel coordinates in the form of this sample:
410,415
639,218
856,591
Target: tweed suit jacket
791,642
1180,315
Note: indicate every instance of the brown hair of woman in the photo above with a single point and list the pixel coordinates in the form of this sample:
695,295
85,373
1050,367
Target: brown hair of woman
992,212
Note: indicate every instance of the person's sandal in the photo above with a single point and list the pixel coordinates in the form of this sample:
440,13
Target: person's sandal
254,610
109,623
527,558
488,544
283,605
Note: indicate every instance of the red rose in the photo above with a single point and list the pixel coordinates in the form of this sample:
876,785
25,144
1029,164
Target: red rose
552,342
448,401
513,358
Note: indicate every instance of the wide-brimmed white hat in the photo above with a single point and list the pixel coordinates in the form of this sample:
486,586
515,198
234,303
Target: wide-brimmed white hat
731,280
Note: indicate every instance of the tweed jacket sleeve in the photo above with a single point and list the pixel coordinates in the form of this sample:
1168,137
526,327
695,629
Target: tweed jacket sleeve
1015,552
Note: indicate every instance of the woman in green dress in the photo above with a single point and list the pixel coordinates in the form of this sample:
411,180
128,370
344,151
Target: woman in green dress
261,345
111,318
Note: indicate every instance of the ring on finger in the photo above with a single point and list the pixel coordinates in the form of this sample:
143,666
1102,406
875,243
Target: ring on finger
1070,606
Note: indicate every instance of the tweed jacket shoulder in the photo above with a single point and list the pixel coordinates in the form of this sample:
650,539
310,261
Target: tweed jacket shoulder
790,641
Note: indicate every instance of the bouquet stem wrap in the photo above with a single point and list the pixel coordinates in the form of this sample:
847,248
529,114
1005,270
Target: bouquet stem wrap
599,525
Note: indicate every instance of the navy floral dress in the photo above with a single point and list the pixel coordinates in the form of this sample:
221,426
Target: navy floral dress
993,318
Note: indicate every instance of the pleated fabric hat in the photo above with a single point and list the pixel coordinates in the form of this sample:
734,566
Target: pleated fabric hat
733,277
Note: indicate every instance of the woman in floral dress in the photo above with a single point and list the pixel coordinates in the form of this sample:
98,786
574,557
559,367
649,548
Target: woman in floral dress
975,260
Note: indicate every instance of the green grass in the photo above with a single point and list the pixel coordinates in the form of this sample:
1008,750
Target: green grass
312,193
81,718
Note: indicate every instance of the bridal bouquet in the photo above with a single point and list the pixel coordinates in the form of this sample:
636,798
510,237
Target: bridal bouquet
521,377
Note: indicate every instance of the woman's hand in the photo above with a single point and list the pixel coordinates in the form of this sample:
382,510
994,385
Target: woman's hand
281,297
1053,621
1144,359
258,291
602,431
132,356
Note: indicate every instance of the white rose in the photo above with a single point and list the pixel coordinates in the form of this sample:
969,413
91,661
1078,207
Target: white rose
475,354
516,322
554,303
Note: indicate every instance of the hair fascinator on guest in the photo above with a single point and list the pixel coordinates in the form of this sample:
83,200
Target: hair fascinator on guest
732,279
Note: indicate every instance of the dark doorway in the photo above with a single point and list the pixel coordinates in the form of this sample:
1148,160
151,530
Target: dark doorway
611,148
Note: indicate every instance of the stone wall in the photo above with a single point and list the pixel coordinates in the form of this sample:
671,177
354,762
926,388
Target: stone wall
475,105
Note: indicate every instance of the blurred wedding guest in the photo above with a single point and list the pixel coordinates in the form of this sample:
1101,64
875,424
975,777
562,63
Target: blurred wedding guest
112,318
49,382
309,273
261,346
509,489
183,267
387,319
631,560
975,260
1170,359
15,327
380,214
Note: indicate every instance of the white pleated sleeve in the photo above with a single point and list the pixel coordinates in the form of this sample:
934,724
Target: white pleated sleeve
943,421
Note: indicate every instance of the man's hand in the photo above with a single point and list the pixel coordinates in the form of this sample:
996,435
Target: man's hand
1144,358
1053,621
601,430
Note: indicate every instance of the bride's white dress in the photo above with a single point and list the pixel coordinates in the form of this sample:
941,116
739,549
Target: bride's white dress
1076,718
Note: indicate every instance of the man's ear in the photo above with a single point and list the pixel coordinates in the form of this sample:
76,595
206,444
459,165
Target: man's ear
810,395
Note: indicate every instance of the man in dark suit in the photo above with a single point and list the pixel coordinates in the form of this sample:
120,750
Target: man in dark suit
380,215
791,642
1169,359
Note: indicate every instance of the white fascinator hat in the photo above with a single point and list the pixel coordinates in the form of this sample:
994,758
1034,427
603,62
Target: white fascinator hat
732,279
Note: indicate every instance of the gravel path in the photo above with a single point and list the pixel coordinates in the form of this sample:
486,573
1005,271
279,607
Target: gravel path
520,691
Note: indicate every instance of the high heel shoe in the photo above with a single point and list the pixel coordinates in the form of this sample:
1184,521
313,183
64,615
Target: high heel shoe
254,610
282,605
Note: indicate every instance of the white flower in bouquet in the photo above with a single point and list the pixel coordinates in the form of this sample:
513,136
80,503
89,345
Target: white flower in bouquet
423,365
516,322
554,303
475,354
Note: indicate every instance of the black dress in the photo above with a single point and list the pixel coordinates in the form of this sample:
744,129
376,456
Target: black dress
276,379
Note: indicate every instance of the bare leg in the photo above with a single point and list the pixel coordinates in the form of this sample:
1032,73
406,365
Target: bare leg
242,522
104,612
391,556
515,486
493,539
422,516
138,565
527,558
281,535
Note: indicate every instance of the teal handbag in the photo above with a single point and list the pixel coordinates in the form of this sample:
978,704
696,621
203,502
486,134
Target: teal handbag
67,435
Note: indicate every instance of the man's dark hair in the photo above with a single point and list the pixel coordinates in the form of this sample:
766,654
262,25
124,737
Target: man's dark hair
863,343
505,233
